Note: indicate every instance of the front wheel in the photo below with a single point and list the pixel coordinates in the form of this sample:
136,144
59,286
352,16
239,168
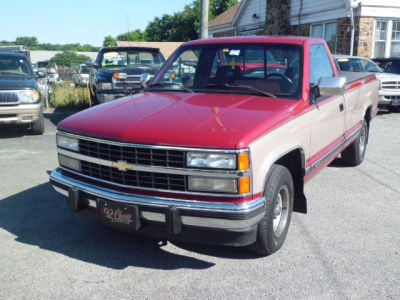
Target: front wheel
354,154
272,229
37,127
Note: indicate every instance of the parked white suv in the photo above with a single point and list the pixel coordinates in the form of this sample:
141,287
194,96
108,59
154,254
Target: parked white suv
389,94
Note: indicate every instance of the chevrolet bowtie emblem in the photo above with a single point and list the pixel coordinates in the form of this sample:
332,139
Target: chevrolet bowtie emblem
122,165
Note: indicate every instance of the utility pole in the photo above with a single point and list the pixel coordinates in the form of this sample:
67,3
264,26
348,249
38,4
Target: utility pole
204,19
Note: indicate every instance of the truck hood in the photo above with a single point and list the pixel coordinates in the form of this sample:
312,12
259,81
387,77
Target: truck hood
17,83
387,76
183,119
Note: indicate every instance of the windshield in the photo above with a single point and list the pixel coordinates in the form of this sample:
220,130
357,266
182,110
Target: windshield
11,65
84,70
131,58
43,64
357,65
272,70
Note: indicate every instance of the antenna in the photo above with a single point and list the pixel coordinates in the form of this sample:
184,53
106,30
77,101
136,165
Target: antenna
127,21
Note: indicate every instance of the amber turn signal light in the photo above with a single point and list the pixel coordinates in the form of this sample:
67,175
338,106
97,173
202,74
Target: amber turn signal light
244,185
243,161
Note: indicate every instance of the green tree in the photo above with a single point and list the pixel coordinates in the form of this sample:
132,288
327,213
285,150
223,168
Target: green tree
136,35
184,25
108,41
217,7
31,42
67,57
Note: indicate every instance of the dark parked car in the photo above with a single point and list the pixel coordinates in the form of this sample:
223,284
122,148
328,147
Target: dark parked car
117,71
389,65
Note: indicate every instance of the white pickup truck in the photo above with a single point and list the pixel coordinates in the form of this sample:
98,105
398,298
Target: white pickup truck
81,77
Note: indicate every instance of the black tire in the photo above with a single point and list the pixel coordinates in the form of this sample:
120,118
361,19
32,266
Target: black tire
93,99
273,228
37,127
354,154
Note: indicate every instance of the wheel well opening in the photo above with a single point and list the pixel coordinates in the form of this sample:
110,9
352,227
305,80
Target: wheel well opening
294,162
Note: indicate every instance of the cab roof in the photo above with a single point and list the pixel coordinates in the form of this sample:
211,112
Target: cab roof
295,40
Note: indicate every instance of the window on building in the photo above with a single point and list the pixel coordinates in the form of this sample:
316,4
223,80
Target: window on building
380,39
395,43
327,31
387,38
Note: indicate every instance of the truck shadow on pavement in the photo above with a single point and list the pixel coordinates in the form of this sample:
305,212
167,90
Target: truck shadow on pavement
38,216
58,115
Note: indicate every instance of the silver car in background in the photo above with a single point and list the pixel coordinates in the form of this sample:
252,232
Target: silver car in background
389,93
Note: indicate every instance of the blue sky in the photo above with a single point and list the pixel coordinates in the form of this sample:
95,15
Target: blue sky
84,21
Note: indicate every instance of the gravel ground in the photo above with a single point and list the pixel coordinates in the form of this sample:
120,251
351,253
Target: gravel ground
347,246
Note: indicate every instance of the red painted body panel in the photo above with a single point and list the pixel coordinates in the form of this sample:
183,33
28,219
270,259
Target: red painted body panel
183,119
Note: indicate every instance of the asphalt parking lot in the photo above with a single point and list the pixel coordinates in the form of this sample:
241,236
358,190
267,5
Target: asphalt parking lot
347,246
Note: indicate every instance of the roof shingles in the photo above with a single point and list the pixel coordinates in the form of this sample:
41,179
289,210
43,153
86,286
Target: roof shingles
226,17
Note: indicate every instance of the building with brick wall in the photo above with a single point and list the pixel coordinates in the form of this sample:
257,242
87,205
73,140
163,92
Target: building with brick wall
369,28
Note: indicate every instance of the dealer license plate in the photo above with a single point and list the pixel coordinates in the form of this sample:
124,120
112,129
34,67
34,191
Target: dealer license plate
117,215
396,102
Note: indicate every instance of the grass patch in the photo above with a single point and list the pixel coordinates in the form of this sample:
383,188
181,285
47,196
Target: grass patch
65,96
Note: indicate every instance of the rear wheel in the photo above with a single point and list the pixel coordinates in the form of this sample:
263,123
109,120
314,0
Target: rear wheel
354,154
274,226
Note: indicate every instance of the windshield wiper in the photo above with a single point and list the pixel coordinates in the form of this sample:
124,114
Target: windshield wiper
249,87
169,84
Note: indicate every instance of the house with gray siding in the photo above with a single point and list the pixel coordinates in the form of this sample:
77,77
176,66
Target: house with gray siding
368,28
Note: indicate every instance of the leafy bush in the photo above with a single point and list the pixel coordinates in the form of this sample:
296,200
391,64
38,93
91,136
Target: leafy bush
65,96
66,58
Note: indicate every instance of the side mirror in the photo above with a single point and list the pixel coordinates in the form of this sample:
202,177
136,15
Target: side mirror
330,86
144,79
40,74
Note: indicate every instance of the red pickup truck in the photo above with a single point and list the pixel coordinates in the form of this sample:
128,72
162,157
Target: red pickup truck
213,152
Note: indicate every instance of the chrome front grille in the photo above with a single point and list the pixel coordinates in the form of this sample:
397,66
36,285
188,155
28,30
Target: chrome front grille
8,98
131,81
133,155
391,85
135,178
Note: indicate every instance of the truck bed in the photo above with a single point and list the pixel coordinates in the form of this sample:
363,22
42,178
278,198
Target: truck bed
354,76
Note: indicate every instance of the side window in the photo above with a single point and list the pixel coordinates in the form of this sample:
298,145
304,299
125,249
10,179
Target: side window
320,65
369,66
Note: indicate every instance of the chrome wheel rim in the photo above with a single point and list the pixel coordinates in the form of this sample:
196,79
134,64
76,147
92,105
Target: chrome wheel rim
363,139
281,210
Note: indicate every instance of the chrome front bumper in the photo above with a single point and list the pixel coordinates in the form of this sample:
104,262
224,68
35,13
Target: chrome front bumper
198,214
20,114
389,98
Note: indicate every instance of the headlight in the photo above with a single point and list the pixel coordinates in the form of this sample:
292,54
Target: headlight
69,162
68,143
28,97
120,75
211,160
106,86
205,184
